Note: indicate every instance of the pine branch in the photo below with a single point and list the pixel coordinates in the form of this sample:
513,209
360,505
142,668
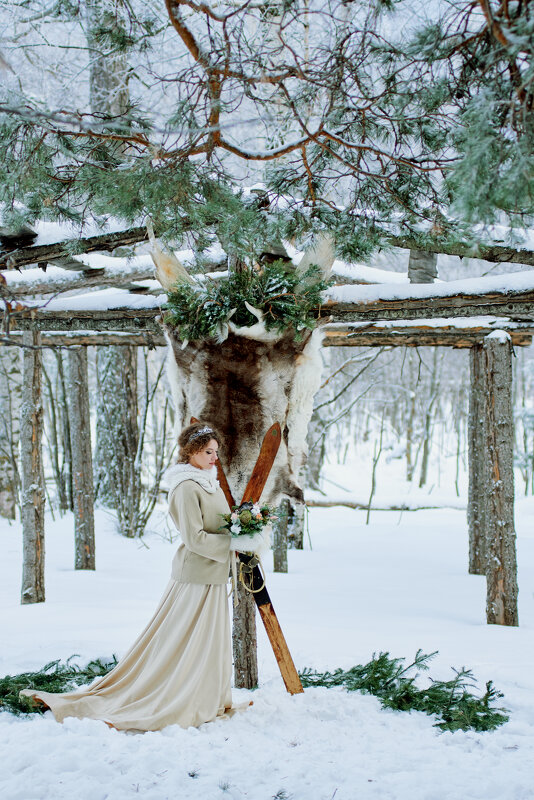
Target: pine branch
455,707
55,676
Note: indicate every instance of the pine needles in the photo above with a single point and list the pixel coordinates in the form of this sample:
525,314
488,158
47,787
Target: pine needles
53,677
394,684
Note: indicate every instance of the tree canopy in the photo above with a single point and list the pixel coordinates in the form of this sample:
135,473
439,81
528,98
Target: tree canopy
365,118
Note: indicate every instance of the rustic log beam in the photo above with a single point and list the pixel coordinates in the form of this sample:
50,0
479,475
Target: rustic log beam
477,463
82,463
44,253
501,561
146,339
109,241
382,337
419,337
101,276
32,479
494,253
131,320
517,304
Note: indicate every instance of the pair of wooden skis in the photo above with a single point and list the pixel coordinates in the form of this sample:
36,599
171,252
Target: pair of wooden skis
252,494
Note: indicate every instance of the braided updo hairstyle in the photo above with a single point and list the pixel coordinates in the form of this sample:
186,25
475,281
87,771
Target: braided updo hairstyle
194,438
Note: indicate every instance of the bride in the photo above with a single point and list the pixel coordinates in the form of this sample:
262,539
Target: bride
178,670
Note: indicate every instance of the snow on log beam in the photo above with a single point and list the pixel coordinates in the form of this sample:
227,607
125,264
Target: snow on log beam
42,254
56,280
33,493
510,295
501,561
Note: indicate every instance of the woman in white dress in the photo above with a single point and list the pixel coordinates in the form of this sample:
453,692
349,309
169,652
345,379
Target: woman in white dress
178,671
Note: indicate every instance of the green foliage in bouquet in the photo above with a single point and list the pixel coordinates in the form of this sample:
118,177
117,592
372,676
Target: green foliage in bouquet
53,677
247,519
455,707
287,300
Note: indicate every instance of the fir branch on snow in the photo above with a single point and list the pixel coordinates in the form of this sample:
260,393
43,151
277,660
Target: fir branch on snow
55,676
454,705
286,298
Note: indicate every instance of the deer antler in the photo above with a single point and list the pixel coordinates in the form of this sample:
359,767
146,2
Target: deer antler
322,254
169,271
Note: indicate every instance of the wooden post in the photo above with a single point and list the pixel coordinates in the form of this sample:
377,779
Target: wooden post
82,464
33,496
280,537
422,266
501,564
244,640
477,463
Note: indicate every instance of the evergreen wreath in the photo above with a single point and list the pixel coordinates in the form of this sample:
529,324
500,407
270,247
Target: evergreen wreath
287,299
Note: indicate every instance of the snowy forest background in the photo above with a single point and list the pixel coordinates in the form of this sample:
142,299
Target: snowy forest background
108,117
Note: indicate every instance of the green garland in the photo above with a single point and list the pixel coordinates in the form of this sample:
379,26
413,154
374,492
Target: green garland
288,301
53,677
387,678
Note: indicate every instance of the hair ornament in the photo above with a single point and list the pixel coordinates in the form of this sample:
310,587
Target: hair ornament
201,432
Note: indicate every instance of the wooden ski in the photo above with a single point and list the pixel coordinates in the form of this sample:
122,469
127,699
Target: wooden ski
252,494
263,466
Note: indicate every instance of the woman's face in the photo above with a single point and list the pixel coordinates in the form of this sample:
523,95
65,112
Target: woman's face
205,458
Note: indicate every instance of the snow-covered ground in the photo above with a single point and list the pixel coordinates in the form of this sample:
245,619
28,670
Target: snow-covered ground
397,585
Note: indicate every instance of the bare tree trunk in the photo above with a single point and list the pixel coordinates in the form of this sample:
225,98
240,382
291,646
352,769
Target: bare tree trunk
477,464
410,466
501,569
280,537
316,451
117,433
10,400
296,522
427,436
244,640
82,466
108,66
33,495
65,434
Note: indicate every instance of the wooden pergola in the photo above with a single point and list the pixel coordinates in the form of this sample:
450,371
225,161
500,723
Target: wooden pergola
489,320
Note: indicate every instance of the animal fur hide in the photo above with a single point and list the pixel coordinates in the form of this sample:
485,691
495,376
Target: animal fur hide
241,387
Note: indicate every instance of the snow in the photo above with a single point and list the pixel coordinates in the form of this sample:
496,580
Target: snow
101,300
505,283
500,336
365,274
397,585
438,322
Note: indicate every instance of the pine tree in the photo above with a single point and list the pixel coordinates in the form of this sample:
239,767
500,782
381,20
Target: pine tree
354,116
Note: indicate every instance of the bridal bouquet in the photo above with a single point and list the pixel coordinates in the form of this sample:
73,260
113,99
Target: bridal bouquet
247,519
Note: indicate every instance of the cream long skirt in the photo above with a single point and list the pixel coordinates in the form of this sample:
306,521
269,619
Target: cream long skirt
176,673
